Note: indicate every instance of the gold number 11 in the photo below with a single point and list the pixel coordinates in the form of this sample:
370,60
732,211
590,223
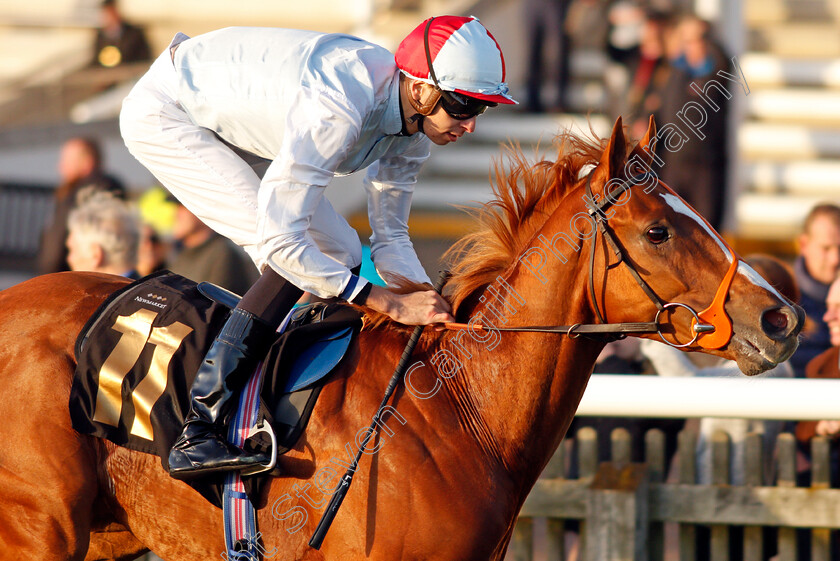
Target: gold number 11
137,331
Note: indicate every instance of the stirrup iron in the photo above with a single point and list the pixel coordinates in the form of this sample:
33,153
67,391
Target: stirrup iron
265,427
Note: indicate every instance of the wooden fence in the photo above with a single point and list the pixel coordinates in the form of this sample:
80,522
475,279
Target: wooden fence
622,508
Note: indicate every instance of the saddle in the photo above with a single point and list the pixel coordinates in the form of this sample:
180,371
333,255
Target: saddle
138,353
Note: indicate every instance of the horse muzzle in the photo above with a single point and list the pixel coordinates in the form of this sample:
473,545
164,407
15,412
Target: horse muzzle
760,349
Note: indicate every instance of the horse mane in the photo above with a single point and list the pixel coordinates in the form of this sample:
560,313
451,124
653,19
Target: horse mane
525,194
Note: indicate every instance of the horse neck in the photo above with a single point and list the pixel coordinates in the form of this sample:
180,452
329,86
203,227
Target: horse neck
520,390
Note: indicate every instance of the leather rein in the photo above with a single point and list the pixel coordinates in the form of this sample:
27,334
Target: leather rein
712,328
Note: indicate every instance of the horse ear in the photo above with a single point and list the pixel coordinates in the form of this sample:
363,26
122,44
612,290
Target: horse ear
644,149
614,155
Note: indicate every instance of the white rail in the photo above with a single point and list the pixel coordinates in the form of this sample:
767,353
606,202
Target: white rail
747,398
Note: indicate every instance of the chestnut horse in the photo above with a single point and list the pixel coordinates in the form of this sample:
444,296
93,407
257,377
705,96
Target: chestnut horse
477,419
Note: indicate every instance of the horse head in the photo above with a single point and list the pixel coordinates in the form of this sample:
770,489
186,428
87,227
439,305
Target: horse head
595,237
658,258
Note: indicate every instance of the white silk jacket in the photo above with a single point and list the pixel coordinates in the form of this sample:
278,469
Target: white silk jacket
316,105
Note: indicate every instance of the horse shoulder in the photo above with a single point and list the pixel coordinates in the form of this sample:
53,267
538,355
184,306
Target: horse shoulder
421,457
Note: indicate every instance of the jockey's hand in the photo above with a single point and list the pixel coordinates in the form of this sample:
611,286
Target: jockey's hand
415,308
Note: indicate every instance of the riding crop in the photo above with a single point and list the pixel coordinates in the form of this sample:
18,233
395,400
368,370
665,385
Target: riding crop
338,497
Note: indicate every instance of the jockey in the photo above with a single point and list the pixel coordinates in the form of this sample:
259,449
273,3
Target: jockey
246,127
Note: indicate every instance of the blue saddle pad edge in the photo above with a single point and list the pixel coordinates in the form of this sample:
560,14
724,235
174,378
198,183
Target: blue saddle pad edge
318,359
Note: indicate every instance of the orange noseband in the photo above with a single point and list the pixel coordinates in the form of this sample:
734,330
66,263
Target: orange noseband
715,315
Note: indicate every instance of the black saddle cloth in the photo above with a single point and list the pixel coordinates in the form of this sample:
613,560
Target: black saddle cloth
138,354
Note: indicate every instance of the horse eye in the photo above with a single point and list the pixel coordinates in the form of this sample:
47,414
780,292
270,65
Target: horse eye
657,234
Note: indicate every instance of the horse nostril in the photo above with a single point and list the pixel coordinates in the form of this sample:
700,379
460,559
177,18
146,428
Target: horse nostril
776,318
779,323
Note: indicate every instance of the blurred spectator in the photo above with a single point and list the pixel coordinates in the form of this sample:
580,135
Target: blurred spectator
586,25
816,268
824,365
153,251
669,361
698,170
200,254
625,20
157,209
649,71
79,166
546,26
104,235
157,214
117,41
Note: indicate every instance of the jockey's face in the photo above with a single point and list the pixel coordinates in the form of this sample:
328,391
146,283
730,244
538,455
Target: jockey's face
439,126
443,129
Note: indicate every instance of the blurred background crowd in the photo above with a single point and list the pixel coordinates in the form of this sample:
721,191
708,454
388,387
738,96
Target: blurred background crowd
763,170
760,157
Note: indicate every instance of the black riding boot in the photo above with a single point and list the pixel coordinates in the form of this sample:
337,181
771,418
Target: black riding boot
202,448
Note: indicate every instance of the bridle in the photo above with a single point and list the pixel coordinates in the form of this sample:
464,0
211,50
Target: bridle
712,328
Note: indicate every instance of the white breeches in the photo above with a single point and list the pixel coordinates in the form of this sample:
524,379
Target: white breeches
208,177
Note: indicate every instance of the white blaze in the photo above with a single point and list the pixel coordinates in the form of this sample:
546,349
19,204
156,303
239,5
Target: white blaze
678,205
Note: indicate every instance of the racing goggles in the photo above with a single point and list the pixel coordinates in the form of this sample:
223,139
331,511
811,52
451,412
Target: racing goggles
461,107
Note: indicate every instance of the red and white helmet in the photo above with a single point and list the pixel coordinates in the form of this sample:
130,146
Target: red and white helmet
456,54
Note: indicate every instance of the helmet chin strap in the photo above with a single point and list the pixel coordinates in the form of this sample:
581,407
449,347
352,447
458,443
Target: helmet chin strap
416,118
